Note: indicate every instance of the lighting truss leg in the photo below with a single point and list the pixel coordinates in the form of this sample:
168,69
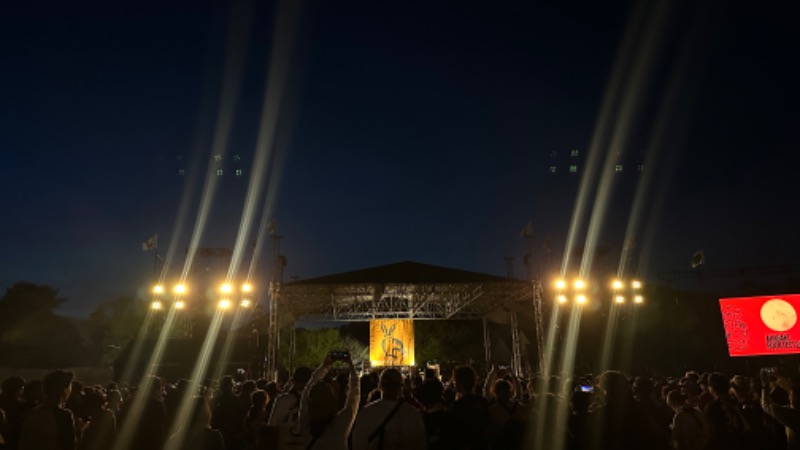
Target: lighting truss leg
292,347
538,315
516,362
487,344
272,338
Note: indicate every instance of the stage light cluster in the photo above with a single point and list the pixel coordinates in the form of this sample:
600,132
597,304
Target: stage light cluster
226,291
579,291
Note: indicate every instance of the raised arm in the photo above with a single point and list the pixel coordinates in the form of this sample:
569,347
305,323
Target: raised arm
318,374
491,377
353,394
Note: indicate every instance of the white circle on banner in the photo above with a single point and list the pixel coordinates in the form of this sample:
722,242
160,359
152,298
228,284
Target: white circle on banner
778,315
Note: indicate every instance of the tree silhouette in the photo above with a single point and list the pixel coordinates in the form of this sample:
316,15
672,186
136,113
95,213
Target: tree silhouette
32,334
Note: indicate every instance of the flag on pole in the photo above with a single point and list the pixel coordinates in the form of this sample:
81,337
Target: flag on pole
151,243
527,231
271,227
698,259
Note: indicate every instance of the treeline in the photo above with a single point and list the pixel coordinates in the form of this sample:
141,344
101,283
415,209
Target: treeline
34,335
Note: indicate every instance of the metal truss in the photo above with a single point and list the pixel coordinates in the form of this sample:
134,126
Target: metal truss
364,302
538,315
516,350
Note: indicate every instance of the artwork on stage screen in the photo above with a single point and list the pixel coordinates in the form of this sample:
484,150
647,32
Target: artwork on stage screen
765,325
391,342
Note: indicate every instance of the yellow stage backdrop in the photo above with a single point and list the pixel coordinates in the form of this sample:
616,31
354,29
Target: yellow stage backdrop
391,342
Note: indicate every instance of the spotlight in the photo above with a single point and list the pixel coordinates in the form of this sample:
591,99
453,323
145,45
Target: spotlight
158,289
638,299
562,299
156,305
247,287
246,303
619,299
224,304
561,284
581,299
617,284
180,304
225,288
180,289
636,284
579,284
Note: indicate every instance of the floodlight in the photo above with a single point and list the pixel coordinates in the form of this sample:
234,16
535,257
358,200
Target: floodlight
180,289
158,289
617,284
619,299
226,288
561,284
156,305
562,299
224,304
180,304
636,284
579,284
638,299
245,303
247,287
581,299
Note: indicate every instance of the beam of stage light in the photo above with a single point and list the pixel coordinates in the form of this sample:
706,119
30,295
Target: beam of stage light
185,409
231,85
273,110
601,134
537,433
559,418
274,106
129,427
646,209
648,49
610,336
227,347
237,43
224,306
275,173
136,353
263,227
629,329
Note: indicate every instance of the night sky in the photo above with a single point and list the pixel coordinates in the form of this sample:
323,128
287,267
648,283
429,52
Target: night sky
409,131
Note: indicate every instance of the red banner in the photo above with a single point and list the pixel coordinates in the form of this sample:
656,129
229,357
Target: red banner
766,325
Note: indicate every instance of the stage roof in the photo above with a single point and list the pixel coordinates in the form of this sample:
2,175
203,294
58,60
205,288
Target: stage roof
405,290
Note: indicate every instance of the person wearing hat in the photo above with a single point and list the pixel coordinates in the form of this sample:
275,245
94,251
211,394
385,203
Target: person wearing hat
50,426
389,423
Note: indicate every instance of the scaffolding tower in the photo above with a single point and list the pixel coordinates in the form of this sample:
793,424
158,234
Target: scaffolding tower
277,262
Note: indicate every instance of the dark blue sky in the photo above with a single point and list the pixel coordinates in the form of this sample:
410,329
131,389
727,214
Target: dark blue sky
414,132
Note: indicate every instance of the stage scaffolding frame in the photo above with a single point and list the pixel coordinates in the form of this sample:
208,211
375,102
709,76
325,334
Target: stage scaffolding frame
405,291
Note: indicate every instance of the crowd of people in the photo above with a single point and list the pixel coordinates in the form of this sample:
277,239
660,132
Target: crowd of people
334,407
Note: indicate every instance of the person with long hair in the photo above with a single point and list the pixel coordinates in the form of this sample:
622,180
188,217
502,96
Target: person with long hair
328,425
